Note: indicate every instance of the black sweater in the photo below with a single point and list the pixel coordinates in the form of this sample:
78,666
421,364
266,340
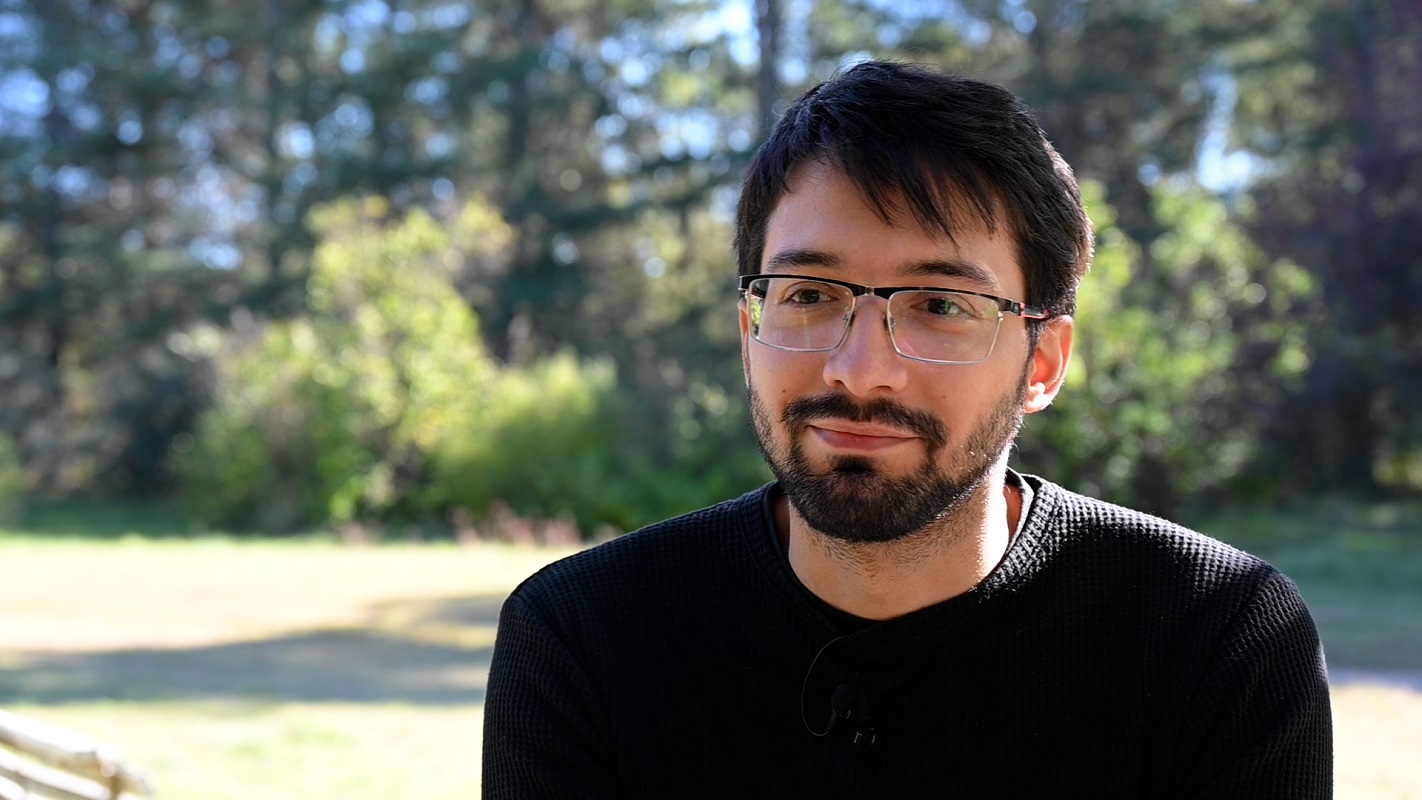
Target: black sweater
1110,654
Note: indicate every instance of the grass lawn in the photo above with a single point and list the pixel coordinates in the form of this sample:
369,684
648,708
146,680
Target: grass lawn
1359,568
253,670
304,668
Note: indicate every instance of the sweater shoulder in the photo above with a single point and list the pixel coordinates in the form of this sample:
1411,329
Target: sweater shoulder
1115,537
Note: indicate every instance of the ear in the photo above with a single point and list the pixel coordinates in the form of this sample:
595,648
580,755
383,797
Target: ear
1049,364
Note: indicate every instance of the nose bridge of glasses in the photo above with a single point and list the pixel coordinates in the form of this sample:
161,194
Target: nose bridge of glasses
870,295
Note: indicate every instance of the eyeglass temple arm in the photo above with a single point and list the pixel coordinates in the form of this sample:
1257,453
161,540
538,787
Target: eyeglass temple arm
1025,311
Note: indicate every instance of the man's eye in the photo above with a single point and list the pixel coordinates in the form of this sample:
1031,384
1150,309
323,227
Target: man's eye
807,296
945,307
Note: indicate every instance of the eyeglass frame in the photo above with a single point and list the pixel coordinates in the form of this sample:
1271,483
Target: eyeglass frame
858,290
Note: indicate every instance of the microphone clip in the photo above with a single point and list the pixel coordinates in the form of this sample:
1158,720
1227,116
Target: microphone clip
841,707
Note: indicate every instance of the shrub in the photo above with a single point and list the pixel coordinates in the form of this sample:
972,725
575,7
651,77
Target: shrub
327,418
1179,355
379,403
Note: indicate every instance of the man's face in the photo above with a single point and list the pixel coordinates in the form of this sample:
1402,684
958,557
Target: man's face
869,445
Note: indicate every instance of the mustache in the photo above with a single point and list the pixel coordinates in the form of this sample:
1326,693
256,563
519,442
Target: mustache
881,410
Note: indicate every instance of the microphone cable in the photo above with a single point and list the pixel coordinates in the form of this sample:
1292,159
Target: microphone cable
841,703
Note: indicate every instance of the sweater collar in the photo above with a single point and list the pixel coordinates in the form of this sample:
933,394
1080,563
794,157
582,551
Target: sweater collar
876,639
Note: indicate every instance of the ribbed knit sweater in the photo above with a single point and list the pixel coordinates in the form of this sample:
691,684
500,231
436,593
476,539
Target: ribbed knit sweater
1111,654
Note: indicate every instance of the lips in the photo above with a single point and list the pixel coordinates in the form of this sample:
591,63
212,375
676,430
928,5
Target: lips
851,436
843,423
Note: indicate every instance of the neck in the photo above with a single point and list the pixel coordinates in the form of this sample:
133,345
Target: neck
883,580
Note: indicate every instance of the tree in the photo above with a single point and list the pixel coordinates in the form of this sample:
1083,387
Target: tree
1125,89
99,227
163,173
1333,112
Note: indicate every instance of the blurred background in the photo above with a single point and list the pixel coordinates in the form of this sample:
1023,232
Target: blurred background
450,271
375,261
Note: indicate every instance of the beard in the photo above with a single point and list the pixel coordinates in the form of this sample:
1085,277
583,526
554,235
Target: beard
852,500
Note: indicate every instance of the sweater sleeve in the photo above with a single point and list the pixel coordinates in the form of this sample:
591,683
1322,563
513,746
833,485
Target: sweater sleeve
544,731
1261,726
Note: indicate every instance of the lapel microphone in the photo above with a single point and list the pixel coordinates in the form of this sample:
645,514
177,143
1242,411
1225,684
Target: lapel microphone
841,707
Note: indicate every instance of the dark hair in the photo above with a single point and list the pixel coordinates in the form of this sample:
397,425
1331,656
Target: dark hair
946,145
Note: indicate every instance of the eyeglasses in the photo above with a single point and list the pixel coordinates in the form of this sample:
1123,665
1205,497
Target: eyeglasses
939,326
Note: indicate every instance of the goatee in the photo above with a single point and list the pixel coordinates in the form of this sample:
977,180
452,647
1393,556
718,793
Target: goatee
852,500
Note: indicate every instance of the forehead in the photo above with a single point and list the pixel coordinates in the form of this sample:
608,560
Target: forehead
824,225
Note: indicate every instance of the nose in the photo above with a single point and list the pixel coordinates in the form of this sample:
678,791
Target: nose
865,363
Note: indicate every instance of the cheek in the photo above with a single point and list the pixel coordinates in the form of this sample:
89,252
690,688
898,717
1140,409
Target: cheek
955,388
971,393
779,376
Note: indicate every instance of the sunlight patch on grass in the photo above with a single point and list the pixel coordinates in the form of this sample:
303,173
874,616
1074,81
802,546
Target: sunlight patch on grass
248,751
80,595
1377,739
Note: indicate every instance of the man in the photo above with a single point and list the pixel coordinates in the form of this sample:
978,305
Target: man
899,615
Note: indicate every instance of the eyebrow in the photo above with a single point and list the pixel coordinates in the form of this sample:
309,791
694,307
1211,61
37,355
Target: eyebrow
788,260
960,270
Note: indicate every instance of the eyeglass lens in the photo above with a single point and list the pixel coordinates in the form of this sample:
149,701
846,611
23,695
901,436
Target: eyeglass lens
807,315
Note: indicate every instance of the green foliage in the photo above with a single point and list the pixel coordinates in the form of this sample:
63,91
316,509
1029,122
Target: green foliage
560,438
542,445
112,231
160,162
328,417
1179,355
380,404
1333,105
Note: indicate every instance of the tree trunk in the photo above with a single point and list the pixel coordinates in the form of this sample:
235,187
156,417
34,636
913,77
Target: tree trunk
767,88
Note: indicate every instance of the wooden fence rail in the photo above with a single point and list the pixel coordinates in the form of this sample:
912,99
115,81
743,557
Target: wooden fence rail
46,761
